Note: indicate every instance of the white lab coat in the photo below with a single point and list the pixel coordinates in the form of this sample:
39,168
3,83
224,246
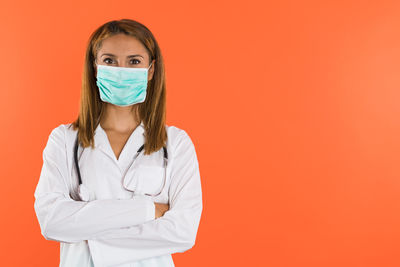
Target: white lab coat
116,227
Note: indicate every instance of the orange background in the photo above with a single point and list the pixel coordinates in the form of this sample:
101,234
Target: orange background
293,107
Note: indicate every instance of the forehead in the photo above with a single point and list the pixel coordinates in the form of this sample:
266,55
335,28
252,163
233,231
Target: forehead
121,44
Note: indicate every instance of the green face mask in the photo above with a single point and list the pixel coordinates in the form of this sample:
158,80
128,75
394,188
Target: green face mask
122,86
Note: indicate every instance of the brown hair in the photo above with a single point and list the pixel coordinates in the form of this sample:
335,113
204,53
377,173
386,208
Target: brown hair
152,111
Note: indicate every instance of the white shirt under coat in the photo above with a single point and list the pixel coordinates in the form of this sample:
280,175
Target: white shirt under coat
116,227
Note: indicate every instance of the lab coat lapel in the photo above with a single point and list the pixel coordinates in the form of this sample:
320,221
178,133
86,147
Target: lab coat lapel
135,140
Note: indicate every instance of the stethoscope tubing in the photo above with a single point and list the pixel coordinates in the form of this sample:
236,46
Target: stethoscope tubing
76,146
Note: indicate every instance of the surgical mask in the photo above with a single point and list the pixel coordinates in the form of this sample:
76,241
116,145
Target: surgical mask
122,86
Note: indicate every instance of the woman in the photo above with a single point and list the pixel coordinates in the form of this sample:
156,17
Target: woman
118,187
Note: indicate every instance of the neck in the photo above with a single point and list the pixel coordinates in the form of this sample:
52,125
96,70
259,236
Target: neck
119,119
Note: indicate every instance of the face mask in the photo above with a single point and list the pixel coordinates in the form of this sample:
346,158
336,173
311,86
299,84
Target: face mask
122,86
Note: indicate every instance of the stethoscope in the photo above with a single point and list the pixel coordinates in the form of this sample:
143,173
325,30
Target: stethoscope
84,192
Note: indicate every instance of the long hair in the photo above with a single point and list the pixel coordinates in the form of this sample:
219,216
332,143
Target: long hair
152,111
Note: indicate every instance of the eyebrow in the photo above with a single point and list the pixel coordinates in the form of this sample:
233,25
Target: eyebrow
108,54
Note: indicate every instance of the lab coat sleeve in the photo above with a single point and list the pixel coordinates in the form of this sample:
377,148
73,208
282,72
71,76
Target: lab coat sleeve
174,232
65,220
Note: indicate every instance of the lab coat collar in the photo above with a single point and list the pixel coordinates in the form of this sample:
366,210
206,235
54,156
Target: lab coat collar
134,142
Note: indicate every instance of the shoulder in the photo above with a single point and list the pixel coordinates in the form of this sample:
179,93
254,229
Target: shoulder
62,131
179,138
176,133
55,144
57,134
61,136
60,144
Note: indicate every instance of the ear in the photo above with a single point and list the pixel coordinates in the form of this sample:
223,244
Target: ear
151,70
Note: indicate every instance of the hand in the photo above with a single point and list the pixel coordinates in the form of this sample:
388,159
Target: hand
161,209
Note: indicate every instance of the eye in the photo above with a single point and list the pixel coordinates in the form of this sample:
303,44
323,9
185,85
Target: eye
135,60
105,60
